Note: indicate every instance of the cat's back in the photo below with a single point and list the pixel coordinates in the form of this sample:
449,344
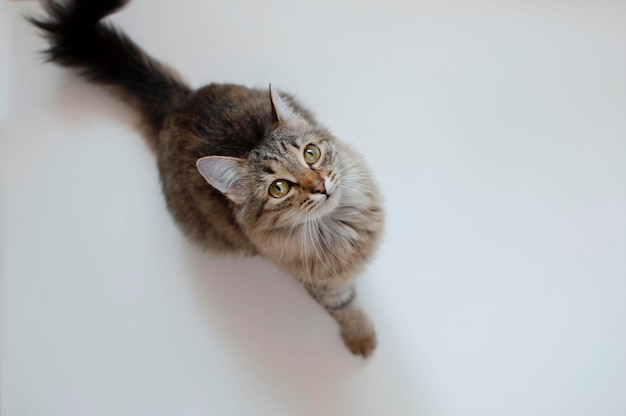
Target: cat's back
219,119
224,119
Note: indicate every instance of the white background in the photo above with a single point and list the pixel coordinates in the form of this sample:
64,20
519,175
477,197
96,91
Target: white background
497,131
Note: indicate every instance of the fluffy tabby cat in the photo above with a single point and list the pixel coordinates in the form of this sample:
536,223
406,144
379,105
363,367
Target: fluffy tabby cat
243,170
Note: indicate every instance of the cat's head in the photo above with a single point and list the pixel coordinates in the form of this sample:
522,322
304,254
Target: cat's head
293,176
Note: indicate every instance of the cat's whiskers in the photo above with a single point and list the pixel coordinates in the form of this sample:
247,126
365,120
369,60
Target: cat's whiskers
288,239
357,175
359,187
356,160
306,262
350,166
359,183
311,232
322,224
357,178
317,224
351,143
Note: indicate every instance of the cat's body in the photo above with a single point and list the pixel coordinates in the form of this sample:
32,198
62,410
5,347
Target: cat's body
279,185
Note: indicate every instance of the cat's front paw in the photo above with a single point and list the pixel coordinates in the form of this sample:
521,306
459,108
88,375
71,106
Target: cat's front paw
361,342
363,346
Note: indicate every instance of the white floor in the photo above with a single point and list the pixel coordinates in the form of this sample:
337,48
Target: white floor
498,134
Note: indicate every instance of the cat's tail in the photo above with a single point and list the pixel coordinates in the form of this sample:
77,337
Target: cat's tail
104,55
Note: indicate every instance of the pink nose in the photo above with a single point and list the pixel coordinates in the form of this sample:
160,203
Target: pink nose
319,188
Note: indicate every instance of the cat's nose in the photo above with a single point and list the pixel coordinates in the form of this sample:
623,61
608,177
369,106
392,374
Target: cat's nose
320,188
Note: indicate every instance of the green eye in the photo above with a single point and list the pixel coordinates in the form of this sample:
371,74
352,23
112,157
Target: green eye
279,188
312,154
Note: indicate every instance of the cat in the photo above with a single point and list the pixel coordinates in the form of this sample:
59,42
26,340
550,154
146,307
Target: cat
243,171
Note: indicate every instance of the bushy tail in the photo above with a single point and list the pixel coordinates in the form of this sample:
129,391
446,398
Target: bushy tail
104,55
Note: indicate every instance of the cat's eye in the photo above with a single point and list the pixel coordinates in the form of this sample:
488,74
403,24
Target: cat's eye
312,154
279,188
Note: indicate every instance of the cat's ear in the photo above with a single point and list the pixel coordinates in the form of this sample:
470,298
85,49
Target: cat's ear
282,112
225,174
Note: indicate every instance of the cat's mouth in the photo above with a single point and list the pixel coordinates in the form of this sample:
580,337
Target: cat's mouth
326,203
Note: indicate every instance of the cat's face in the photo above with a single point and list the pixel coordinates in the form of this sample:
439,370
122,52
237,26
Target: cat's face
297,174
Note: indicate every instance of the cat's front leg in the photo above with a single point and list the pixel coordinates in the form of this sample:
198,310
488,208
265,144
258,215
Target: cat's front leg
357,330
